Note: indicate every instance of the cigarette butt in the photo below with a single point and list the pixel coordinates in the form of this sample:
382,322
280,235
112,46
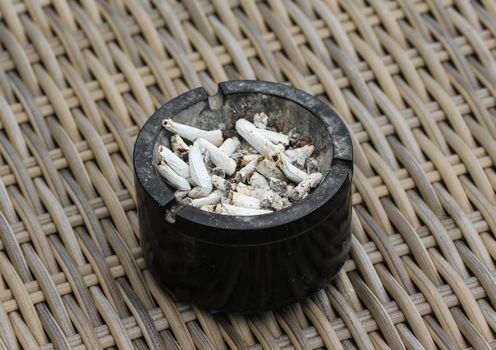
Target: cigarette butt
199,172
221,184
253,136
228,209
260,194
192,134
218,157
300,155
241,200
212,198
304,187
230,145
269,169
250,167
199,192
248,158
172,177
178,145
258,181
172,160
293,173
275,137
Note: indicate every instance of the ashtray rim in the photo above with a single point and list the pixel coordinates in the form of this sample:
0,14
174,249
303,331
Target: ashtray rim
340,171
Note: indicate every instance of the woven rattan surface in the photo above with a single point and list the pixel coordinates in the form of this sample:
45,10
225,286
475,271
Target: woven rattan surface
415,82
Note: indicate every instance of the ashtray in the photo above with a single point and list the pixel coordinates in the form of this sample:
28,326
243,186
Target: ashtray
246,263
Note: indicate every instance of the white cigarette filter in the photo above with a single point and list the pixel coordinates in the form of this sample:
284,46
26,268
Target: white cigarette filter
260,120
228,209
242,200
199,173
218,157
249,168
249,157
258,181
300,155
304,187
172,177
192,134
199,192
212,198
275,137
178,145
173,160
253,136
230,145
221,184
259,193
269,169
293,173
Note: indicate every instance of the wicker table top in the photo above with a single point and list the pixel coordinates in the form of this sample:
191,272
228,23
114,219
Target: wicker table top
415,83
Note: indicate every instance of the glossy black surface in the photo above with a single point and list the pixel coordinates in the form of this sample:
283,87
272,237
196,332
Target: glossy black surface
246,264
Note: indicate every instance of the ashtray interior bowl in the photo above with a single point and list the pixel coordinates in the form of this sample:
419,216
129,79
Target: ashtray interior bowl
250,263
222,111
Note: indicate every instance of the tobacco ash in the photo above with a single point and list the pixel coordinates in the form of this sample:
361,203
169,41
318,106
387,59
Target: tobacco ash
258,171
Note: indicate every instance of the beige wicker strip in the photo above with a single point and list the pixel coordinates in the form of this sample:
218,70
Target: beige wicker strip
415,82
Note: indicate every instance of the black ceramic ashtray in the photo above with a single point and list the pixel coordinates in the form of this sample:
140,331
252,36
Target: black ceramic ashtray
247,263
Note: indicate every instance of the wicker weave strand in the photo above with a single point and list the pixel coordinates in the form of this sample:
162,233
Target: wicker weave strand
415,82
